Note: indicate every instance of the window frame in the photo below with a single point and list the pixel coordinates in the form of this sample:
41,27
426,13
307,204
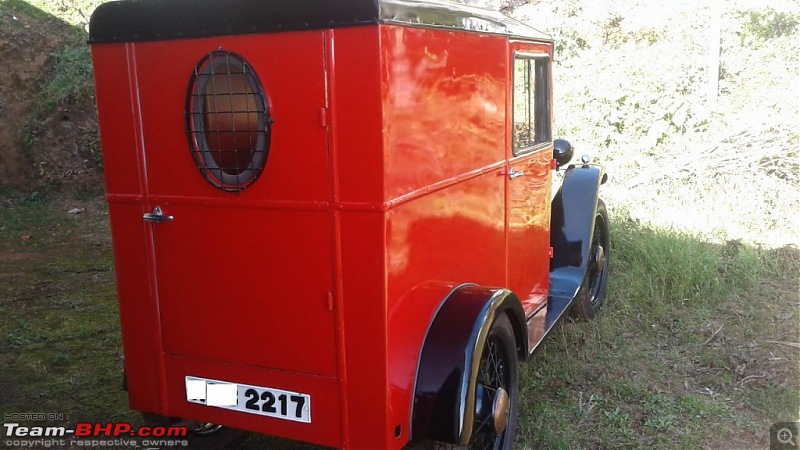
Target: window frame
196,114
542,98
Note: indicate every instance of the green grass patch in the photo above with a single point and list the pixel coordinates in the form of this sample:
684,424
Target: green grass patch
61,349
32,223
67,78
70,79
23,215
679,356
15,6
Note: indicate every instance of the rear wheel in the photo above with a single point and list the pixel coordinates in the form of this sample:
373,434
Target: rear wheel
592,292
495,408
200,435
495,422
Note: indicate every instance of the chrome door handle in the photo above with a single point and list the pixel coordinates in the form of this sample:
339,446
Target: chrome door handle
157,216
513,173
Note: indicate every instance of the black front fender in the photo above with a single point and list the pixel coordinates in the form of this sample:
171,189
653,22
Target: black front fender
450,356
571,224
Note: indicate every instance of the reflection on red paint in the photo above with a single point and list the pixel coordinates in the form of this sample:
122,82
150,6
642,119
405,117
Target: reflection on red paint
324,274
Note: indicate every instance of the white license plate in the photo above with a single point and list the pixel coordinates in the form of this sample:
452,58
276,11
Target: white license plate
260,400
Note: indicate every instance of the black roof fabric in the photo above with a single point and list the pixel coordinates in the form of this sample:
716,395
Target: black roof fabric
154,20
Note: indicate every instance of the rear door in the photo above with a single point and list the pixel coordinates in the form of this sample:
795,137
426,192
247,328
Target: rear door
236,161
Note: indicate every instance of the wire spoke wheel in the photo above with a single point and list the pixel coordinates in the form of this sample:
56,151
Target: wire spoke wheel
495,408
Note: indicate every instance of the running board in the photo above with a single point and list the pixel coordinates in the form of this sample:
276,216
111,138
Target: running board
543,320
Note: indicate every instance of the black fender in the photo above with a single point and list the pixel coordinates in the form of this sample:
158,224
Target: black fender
450,356
571,223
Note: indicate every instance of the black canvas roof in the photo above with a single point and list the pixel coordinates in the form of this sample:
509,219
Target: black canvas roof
153,20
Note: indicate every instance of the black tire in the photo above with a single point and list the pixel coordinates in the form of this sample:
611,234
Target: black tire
592,292
200,435
498,368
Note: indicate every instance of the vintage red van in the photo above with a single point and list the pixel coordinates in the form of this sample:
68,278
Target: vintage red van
334,221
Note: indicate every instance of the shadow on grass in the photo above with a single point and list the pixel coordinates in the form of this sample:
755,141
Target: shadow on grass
695,346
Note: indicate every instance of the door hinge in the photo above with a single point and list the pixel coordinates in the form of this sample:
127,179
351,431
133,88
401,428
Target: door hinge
323,117
329,298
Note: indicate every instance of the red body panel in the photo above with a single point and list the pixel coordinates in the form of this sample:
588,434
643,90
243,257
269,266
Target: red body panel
445,184
386,186
121,137
356,132
453,214
528,203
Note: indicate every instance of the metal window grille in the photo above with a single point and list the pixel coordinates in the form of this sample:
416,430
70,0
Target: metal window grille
228,122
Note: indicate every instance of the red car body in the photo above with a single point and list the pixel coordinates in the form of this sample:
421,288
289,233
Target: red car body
390,182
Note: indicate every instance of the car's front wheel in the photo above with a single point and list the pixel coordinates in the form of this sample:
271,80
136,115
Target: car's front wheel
592,292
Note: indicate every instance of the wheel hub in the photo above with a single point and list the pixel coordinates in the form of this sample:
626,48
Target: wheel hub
501,406
600,258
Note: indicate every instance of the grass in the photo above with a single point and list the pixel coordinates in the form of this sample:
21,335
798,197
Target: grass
20,212
61,350
68,77
680,357
70,80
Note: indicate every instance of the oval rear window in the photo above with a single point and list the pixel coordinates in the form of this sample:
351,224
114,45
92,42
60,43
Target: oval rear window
228,121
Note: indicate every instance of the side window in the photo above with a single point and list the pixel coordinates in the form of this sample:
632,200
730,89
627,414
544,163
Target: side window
531,102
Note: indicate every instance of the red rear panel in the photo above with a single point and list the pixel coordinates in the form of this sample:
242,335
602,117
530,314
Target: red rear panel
237,287
243,277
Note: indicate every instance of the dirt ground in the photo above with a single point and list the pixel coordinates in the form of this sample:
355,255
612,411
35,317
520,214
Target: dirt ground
41,144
